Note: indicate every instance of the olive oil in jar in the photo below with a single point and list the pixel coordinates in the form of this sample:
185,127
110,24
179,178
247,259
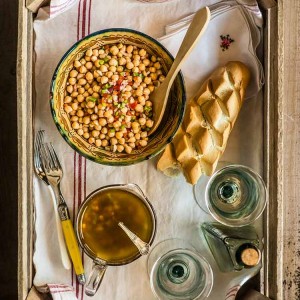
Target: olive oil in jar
99,228
233,248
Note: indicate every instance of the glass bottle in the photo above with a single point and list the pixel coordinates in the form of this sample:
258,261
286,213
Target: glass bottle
233,248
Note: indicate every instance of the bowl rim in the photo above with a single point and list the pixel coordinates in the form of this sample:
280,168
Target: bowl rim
61,131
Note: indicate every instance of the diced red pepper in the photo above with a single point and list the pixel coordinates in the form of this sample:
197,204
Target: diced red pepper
133,105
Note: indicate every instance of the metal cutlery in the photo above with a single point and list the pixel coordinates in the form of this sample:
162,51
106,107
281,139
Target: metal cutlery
52,170
41,174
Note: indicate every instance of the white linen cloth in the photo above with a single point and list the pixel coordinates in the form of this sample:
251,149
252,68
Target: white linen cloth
177,213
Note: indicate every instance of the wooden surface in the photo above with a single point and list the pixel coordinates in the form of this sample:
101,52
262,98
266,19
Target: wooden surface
284,275
8,150
25,155
289,137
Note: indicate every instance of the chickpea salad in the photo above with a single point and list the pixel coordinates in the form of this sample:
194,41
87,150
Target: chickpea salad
107,96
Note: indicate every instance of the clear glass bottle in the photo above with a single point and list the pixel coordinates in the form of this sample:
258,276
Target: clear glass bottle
233,248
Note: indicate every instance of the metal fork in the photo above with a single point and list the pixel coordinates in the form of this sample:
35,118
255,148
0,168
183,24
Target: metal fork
54,173
39,170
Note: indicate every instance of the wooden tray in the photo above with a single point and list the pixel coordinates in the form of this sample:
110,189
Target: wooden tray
270,280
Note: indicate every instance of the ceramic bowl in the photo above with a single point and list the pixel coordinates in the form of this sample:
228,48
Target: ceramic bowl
170,122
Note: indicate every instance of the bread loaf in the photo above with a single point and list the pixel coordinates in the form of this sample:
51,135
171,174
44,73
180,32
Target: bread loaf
209,119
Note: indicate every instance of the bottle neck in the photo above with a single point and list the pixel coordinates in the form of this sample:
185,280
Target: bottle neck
248,255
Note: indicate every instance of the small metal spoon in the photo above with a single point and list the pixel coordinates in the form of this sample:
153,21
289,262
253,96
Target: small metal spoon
143,247
159,97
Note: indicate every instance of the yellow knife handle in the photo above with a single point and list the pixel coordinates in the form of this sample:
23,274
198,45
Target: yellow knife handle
73,249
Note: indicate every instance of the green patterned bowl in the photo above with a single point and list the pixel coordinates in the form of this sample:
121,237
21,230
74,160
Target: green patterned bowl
170,122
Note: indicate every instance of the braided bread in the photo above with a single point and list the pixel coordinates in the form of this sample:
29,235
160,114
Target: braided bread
209,119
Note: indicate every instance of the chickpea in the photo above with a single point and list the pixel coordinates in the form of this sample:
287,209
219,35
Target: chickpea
80,131
91,140
128,88
98,143
70,89
113,69
82,61
73,73
135,125
82,69
115,77
109,74
75,125
129,65
77,64
153,58
146,91
111,133
144,134
137,79
137,136
74,106
67,99
136,63
149,123
104,143
89,76
74,94
95,52
89,52
142,121
113,62
110,119
120,148
82,81
95,133
143,143
132,145
94,117
151,88
120,69
139,108
72,80
86,120
102,136
80,113
89,65
102,122
119,135
128,149
86,135
81,90
131,140
138,92
141,100
121,141
104,130
153,76
148,103
122,61
104,79
142,67
146,62
67,108
114,50
113,141
129,48
90,104
142,52
94,58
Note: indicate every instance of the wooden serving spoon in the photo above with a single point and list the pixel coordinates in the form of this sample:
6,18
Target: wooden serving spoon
159,97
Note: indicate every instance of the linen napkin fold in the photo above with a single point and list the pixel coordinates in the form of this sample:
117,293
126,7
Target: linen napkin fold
177,213
229,36
61,291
